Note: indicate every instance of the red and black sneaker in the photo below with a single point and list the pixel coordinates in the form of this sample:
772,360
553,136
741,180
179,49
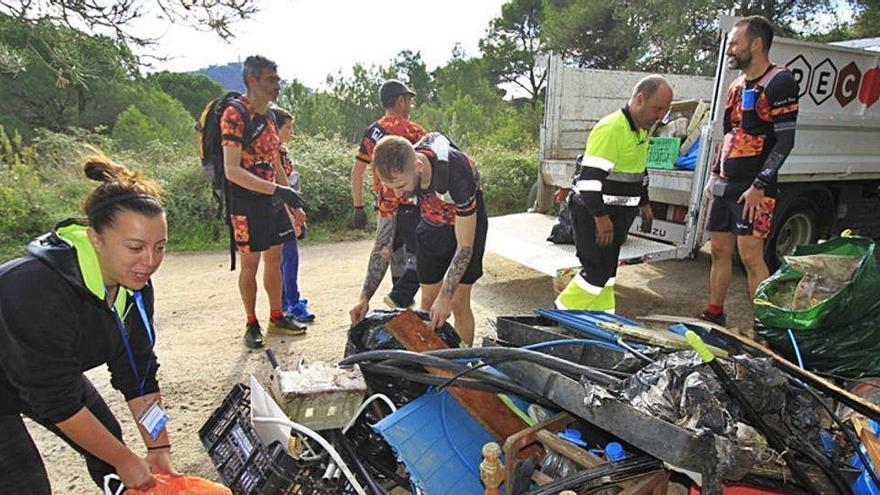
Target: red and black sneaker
719,319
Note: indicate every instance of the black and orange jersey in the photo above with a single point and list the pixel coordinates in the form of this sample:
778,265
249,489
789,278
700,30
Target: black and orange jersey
286,162
460,199
261,157
751,136
389,125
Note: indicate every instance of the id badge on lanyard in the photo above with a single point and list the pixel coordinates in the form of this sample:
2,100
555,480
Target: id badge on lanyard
154,417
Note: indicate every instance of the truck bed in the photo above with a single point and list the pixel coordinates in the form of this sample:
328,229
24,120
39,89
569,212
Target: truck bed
521,237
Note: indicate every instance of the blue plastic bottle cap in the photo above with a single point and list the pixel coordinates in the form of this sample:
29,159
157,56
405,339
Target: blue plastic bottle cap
614,452
573,436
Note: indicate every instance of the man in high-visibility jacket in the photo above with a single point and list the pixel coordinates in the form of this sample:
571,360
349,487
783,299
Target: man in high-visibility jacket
609,189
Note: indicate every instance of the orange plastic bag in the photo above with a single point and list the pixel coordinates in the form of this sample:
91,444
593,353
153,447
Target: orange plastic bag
183,485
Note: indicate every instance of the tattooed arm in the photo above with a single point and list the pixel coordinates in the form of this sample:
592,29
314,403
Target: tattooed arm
465,231
377,266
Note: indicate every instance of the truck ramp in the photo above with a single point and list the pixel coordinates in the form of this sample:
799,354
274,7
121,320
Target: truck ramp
521,237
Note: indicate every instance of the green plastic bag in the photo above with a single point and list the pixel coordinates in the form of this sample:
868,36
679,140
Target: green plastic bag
851,350
850,304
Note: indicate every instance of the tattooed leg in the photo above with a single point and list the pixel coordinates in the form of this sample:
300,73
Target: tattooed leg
464,315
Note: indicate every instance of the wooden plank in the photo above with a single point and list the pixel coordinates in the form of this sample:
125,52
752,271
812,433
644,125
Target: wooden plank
869,439
855,402
654,337
524,438
650,484
487,408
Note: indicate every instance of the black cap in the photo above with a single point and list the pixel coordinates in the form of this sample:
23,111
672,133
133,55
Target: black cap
391,89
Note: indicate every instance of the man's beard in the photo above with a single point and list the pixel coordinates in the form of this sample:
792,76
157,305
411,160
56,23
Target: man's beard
740,61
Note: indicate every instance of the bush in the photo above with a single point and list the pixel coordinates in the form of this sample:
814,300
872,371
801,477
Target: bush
324,165
134,130
506,177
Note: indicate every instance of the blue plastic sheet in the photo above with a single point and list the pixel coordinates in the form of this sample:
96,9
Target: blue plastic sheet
439,442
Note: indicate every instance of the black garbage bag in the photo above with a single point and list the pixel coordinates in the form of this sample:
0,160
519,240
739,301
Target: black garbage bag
371,335
683,390
562,231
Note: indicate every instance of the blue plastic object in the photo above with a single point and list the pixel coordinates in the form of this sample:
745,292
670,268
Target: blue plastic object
573,436
588,323
614,452
864,485
439,442
689,160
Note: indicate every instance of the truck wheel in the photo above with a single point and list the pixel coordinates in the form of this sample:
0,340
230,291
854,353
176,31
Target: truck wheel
533,196
798,225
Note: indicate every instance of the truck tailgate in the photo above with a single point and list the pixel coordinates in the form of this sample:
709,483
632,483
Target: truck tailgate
521,237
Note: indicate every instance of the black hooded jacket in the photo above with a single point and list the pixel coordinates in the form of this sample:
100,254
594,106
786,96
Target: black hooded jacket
54,325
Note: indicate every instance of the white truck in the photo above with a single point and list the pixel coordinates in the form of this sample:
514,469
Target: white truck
830,182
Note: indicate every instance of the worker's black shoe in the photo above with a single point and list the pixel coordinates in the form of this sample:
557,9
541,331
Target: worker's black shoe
719,319
253,336
286,325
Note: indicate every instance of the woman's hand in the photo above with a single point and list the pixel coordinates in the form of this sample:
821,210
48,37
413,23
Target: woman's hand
135,473
160,462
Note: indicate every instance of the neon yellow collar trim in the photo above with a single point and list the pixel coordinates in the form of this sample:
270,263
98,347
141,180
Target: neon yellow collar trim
89,266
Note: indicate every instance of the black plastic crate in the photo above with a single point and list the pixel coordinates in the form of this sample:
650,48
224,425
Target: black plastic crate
247,466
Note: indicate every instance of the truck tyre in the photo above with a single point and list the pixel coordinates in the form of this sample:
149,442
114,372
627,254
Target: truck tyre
533,196
798,224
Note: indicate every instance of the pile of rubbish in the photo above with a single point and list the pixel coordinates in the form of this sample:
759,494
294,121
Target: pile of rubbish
569,402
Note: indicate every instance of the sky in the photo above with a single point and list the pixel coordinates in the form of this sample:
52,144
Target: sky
310,39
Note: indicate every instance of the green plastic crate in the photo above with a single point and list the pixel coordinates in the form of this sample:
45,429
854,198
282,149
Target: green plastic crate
663,152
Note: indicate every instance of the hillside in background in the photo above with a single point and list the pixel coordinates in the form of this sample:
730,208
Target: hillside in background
228,76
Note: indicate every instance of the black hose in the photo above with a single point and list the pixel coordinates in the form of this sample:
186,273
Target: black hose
435,380
516,354
849,436
611,472
362,470
431,361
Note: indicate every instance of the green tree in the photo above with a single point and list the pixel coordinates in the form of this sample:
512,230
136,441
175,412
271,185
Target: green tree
40,95
115,19
660,36
590,33
358,96
134,130
412,69
513,44
192,90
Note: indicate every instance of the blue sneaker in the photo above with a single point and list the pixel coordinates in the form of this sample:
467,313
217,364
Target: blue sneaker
301,313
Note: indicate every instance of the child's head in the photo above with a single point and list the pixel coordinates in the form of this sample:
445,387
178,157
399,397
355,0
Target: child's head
284,123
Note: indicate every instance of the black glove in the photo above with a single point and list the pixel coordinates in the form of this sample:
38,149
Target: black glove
289,197
359,218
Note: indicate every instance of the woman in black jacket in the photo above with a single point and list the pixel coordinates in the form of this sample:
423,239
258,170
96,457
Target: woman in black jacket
81,298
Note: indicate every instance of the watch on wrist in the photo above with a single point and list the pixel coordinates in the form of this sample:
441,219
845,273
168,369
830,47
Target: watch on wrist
759,184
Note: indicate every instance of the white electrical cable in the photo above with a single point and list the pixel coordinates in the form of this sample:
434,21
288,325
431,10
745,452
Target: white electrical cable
382,397
324,443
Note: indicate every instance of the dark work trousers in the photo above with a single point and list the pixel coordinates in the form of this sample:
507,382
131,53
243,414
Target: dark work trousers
600,262
21,467
403,291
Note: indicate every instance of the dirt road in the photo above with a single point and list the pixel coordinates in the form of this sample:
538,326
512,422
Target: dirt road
200,323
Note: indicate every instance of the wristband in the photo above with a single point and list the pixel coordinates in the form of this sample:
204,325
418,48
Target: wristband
759,184
159,447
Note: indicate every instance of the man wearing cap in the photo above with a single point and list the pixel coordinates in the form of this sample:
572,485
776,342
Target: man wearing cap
398,217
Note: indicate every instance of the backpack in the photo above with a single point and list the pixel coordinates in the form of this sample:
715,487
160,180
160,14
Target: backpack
211,149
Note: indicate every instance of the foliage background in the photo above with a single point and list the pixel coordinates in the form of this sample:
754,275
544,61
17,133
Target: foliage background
64,91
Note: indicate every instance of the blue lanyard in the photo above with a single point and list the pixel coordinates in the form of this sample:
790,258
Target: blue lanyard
139,301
